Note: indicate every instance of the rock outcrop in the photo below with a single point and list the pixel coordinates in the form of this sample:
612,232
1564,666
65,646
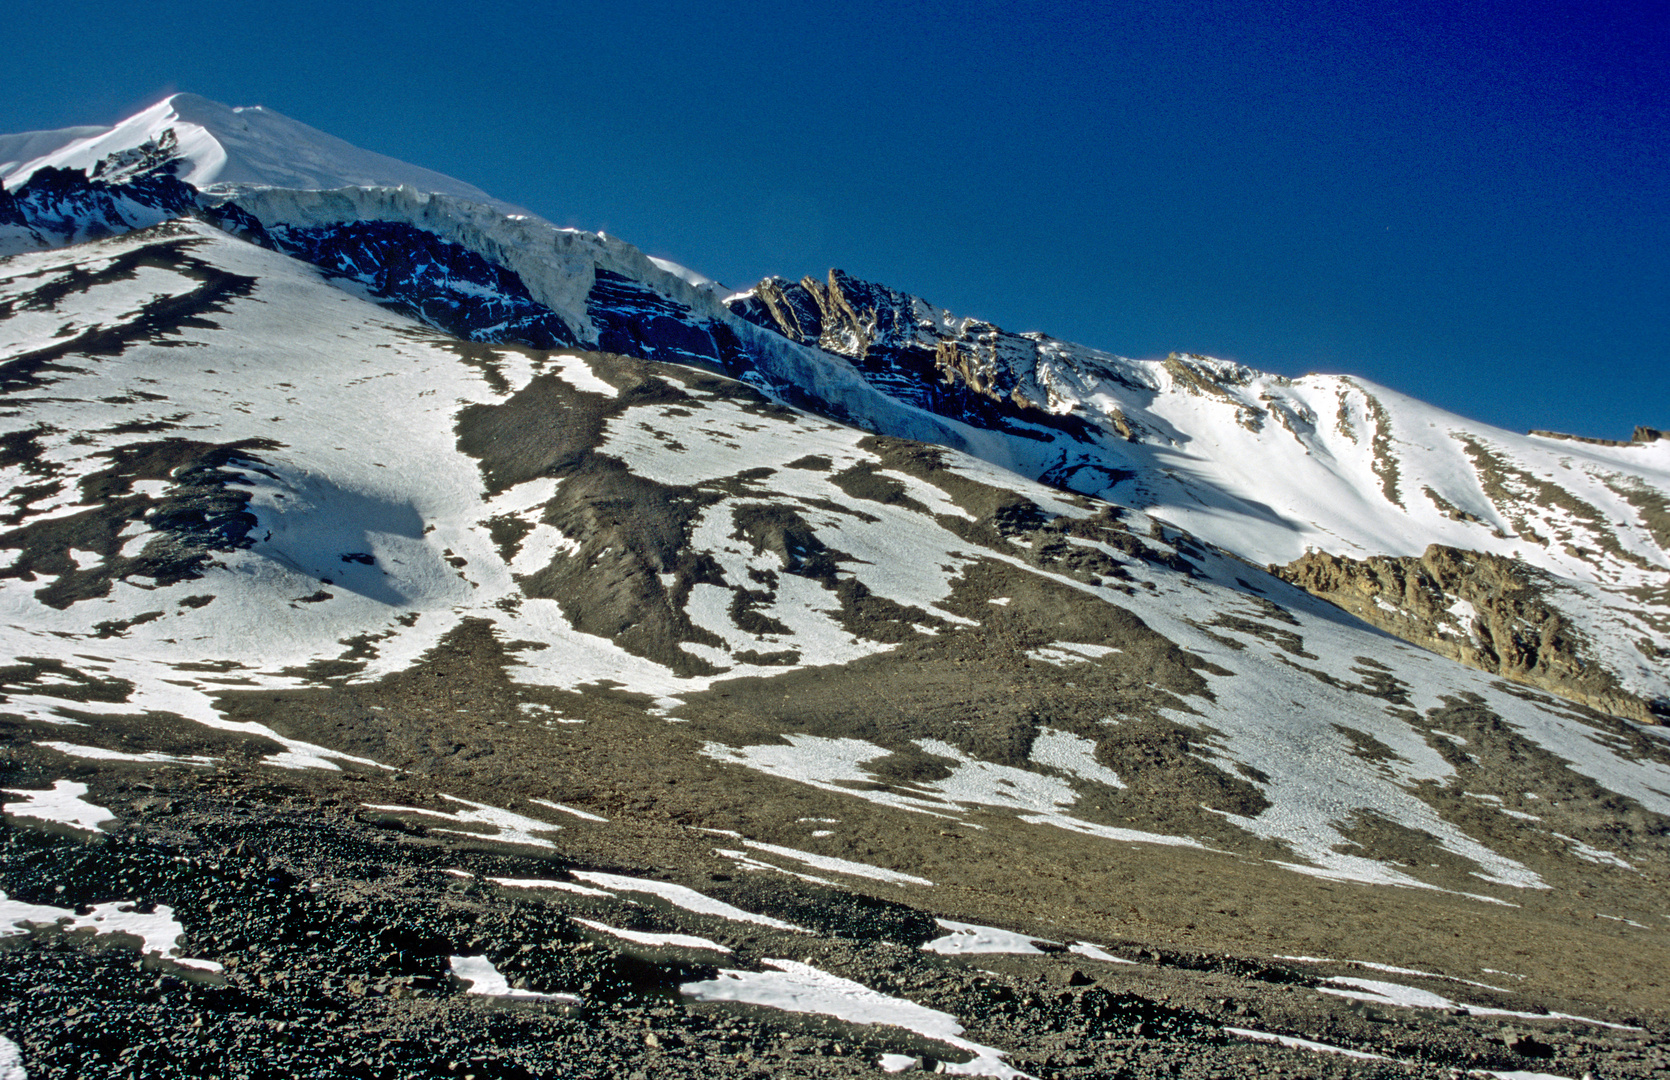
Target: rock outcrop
967,369
1642,434
1487,611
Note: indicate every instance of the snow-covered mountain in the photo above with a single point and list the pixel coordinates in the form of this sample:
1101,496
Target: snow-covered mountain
1317,475
1267,467
1376,501
1237,457
272,475
385,508
214,147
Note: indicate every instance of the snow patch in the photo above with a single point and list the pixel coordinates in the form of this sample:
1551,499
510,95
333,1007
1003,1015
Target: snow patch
839,866
512,828
581,814
11,1061
1302,1044
158,931
641,937
745,861
96,753
1377,992
686,898
1073,755
547,883
483,978
62,804
831,763
801,988
1096,952
1593,854
1066,653
1394,970
968,938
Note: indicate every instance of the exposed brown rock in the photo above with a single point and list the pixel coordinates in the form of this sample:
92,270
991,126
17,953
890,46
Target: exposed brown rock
1513,630
1546,434
1642,434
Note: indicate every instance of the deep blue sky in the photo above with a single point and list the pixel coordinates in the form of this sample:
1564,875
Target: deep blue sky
1469,202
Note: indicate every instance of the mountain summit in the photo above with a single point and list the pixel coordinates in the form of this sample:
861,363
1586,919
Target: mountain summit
408,604
217,146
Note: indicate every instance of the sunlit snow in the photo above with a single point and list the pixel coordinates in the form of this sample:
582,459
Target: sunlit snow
483,978
644,937
967,938
158,931
509,827
796,987
11,1061
682,897
62,804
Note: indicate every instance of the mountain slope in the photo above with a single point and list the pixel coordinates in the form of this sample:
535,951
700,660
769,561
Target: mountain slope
1317,474
1272,468
26,146
1235,456
337,509
624,689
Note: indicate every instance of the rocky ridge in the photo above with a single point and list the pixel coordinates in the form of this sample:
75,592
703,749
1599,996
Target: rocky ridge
991,378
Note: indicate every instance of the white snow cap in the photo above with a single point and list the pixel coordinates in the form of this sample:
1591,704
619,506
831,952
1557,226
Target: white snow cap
219,144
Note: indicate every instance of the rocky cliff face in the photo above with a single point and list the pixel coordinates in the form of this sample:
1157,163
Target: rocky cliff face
62,206
963,368
417,273
1488,612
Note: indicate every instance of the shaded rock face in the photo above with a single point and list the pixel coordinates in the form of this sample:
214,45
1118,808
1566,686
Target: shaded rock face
160,155
202,511
633,320
1488,612
412,271
126,192
61,206
970,371
421,275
